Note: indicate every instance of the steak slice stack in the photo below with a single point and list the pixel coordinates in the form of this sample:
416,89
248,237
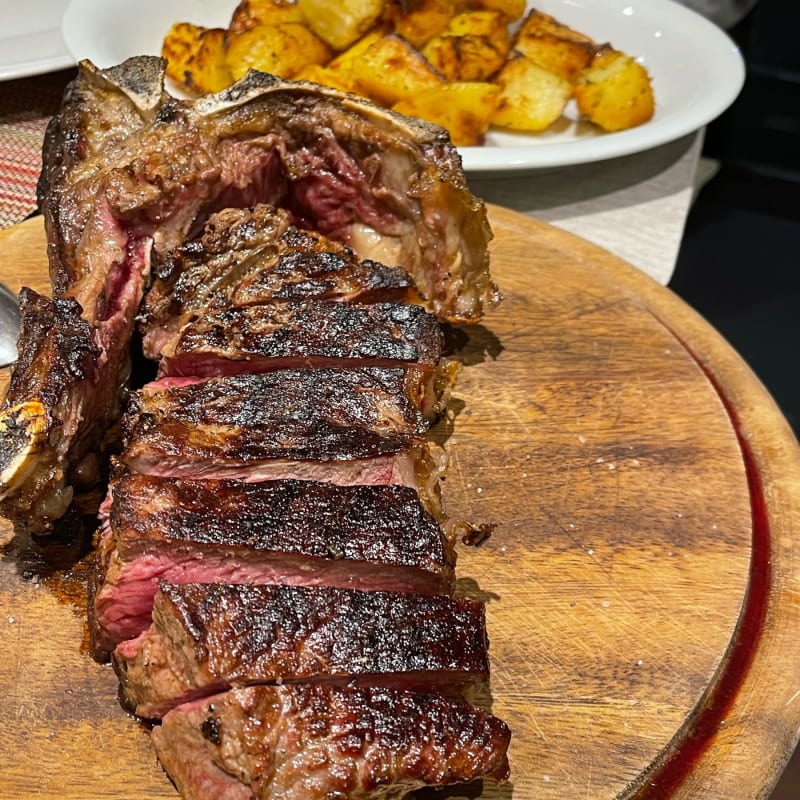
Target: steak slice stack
274,571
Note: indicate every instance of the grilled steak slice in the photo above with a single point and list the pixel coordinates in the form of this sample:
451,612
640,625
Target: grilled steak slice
206,638
129,171
254,256
293,532
319,334
310,742
55,377
240,423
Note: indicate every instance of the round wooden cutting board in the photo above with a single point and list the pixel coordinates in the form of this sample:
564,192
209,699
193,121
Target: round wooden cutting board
642,580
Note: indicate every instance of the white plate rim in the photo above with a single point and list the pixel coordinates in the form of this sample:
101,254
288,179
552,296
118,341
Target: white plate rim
716,66
36,65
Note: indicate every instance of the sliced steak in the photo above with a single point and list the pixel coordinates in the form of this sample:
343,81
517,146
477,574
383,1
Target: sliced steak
291,532
312,742
302,335
130,174
276,422
55,378
254,256
206,638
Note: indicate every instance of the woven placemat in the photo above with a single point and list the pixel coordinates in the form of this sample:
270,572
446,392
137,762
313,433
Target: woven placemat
26,107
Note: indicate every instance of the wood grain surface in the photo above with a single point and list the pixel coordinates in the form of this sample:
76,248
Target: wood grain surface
642,580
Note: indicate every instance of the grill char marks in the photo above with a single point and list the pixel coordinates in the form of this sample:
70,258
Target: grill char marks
239,422
266,337
206,638
254,256
375,743
291,532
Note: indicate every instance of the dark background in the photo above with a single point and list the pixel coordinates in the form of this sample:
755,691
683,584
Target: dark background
739,263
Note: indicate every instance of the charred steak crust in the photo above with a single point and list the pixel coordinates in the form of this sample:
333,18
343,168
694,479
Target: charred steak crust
208,637
306,334
295,532
254,256
320,415
309,742
380,524
57,359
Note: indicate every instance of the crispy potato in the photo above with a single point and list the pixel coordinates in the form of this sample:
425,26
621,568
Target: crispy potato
326,77
250,13
472,47
180,48
432,58
464,108
614,91
420,21
391,69
564,57
531,98
340,24
537,22
511,9
196,58
282,49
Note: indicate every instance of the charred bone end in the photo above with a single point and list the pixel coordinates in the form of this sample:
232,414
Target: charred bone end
23,433
140,79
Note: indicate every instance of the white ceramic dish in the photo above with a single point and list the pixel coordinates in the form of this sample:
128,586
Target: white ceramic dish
30,38
696,70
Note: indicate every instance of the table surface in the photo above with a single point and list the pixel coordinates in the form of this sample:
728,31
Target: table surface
634,206
641,582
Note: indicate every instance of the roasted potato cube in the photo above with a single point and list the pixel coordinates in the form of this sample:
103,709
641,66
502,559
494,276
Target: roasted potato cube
340,24
250,13
180,48
347,58
614,91
391,69
472,47
280,49
531,98
464,109
196,58
511,9
564,57
325,77
420,21
537,22
479,23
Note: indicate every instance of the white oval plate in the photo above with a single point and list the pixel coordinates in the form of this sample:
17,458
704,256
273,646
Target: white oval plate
30,38
697,71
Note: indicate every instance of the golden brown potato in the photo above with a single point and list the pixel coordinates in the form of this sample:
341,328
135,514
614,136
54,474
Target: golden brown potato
250,13
472,47
180,48
564,57
340,23
511,9
531,98
196,58
614,91
391,69
342,64
326,77
419,21
282,49
464,109
537,22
